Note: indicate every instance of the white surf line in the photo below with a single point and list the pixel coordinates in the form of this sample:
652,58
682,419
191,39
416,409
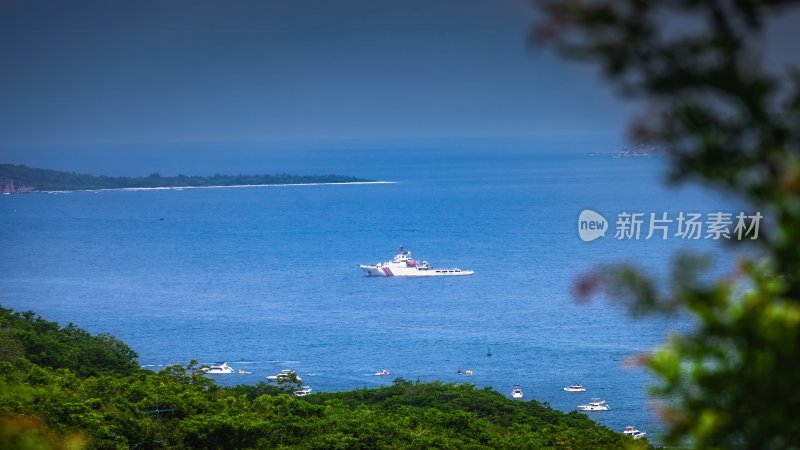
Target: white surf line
167,188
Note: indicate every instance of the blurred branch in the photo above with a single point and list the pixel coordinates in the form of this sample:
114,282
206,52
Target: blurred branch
725,122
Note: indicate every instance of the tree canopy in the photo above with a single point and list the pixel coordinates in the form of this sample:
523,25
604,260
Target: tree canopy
48,344
51,404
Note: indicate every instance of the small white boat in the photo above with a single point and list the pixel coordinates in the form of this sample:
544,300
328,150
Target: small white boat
382,373
285,375
595,405
631,431
303,391
575,388
218,370
517,392
243,372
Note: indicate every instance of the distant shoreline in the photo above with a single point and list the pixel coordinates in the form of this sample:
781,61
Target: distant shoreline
180,188
18,179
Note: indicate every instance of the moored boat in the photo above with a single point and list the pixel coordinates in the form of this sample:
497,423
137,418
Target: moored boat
303,391
517,392
595,405
631,431
285,375
575,388
222,369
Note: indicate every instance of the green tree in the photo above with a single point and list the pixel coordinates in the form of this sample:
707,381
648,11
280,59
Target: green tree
726,121
49,344
289,382
10,346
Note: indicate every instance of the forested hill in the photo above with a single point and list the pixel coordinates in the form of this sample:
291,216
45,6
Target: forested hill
18,178
63,388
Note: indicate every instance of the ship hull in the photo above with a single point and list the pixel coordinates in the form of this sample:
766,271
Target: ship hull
388,271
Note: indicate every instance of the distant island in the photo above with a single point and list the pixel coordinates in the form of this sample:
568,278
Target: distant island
18,178
633,151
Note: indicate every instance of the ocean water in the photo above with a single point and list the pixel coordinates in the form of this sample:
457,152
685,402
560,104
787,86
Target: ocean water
267,278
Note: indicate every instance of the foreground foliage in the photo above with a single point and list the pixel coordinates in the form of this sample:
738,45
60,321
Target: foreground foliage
55,407
728,120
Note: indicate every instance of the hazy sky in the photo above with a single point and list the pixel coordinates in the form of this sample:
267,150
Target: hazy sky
77,74
106,72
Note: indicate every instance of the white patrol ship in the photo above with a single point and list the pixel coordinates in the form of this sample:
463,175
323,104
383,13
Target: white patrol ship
403,266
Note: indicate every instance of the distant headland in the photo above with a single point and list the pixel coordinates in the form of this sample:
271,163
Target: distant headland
18,179
633,151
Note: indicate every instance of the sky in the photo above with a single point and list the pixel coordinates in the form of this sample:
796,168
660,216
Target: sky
109,72
279,73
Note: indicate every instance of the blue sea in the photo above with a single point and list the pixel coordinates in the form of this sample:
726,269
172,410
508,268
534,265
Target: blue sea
267,278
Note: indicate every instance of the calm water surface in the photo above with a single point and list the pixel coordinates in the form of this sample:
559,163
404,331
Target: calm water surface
268,278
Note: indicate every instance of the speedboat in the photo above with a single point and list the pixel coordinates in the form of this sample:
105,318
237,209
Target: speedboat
382,373
243,372
402,265
517,392
218,370
303,391
595,405
575,388
630,430
285,375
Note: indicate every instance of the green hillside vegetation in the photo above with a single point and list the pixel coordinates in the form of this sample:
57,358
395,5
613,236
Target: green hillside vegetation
48,401
48,344
53,180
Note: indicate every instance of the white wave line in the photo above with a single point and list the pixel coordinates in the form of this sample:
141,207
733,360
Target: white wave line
175,188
